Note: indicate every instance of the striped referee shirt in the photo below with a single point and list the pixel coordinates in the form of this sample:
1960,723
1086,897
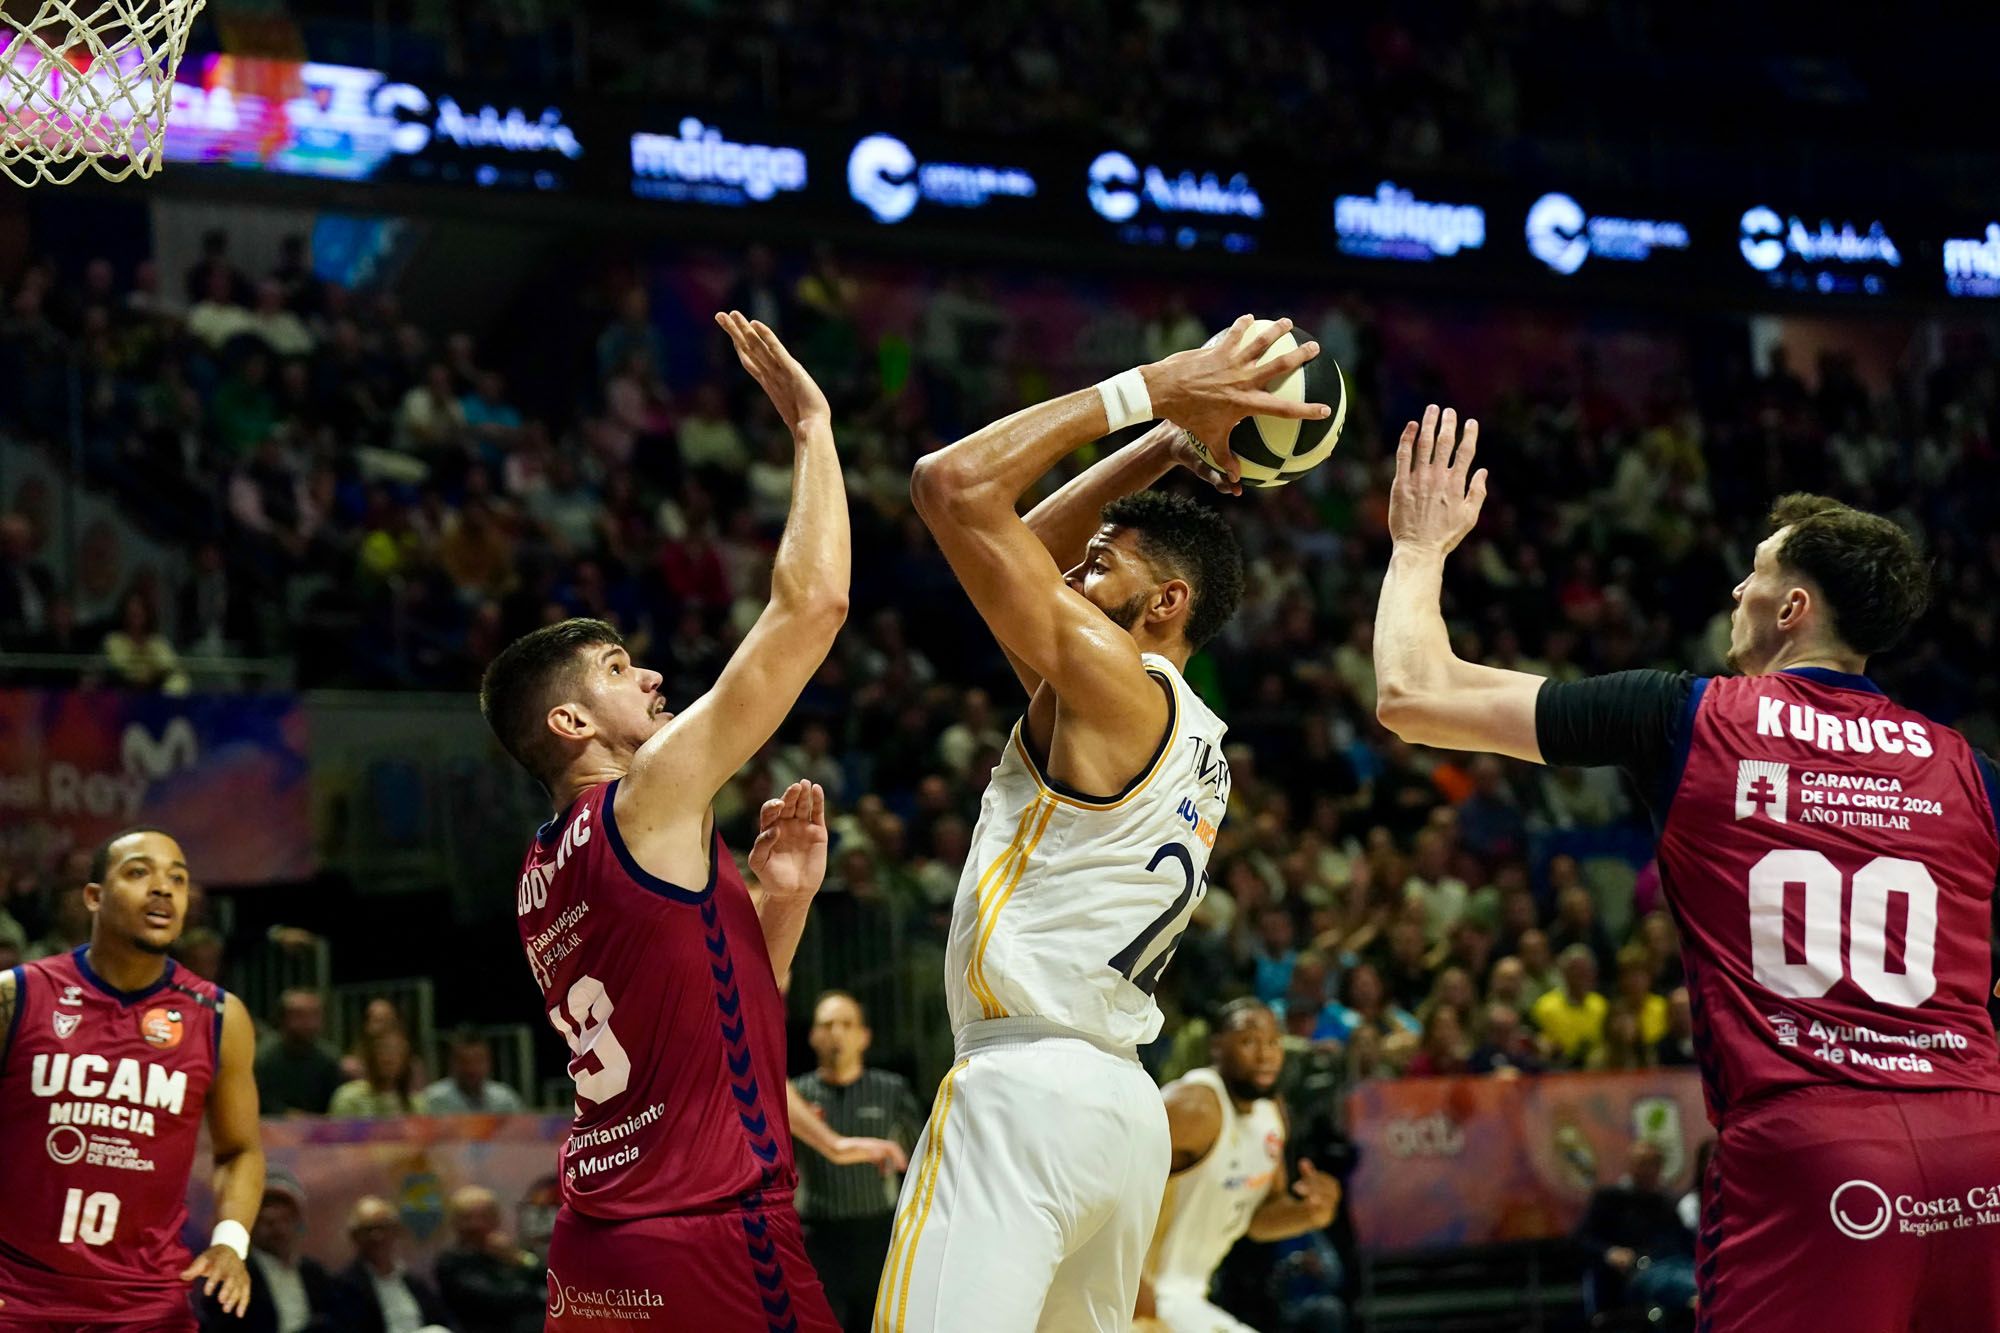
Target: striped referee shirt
878,1105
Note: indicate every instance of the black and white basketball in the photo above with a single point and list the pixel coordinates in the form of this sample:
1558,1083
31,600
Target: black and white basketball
1277,450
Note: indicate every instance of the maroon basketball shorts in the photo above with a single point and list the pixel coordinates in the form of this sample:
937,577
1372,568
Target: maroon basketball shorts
181,1322
733,1272
1839,1210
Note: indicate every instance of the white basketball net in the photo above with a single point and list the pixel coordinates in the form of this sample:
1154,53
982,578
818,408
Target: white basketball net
88,83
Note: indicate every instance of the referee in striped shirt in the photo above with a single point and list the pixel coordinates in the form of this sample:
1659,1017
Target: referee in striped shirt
848,1209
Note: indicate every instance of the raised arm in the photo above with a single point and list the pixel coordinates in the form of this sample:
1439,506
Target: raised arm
677,773
1065,521
239,1163
967,493
1424,692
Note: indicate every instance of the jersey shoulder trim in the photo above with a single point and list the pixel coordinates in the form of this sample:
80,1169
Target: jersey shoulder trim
206,994
1842,680
549,832
1070,796
645,878
1677,760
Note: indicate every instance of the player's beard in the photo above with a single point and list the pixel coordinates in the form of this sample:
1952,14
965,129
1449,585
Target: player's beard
1126,614
1245,1090
144,945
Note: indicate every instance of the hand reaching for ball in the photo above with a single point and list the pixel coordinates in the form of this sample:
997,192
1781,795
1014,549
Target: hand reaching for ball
1185,451
1211,388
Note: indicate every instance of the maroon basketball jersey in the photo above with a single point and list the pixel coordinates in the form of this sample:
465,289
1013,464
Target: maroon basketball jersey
1831,859
101,1100
674,1023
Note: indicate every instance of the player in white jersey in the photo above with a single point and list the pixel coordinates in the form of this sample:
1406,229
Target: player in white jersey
1037,1182
1228,1173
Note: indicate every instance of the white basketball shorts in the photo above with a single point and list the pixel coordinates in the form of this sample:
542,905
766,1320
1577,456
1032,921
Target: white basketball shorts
1033,1192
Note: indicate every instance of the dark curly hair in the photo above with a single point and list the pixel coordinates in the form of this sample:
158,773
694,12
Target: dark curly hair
1874,578
521,684
1187,539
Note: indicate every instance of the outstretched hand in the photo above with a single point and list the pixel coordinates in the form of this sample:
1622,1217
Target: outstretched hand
1432,504
228,1278
789,856
789,386
1211,388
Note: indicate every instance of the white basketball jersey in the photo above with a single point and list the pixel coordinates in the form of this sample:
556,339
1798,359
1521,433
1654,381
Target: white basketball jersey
1070,907
1208,1206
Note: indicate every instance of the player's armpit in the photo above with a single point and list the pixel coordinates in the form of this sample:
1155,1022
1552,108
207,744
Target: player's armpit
1194,1122
1466,707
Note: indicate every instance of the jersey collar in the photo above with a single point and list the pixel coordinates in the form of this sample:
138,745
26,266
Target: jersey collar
1839,679
548,833
122,996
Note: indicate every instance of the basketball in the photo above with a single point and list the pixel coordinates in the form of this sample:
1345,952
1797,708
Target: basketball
1277,450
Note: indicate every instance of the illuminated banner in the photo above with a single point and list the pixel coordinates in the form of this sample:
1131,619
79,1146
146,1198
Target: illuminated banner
226,775
1475,1161
1825,258
1185,209
885,177
1393,223
344,122
701,166
1562,235
1972,264
808,179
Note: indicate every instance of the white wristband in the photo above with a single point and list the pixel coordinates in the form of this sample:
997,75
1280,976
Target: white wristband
234,1235
1126,402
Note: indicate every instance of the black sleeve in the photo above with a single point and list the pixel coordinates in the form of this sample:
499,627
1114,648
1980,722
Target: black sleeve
1628,719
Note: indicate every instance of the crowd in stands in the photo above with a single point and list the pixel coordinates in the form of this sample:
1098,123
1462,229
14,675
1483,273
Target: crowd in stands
488,1280
364,494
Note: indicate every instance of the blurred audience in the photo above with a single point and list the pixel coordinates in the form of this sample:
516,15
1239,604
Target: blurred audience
387,1083
488,1282
469,1088
296,1070
377,1293
289,1291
